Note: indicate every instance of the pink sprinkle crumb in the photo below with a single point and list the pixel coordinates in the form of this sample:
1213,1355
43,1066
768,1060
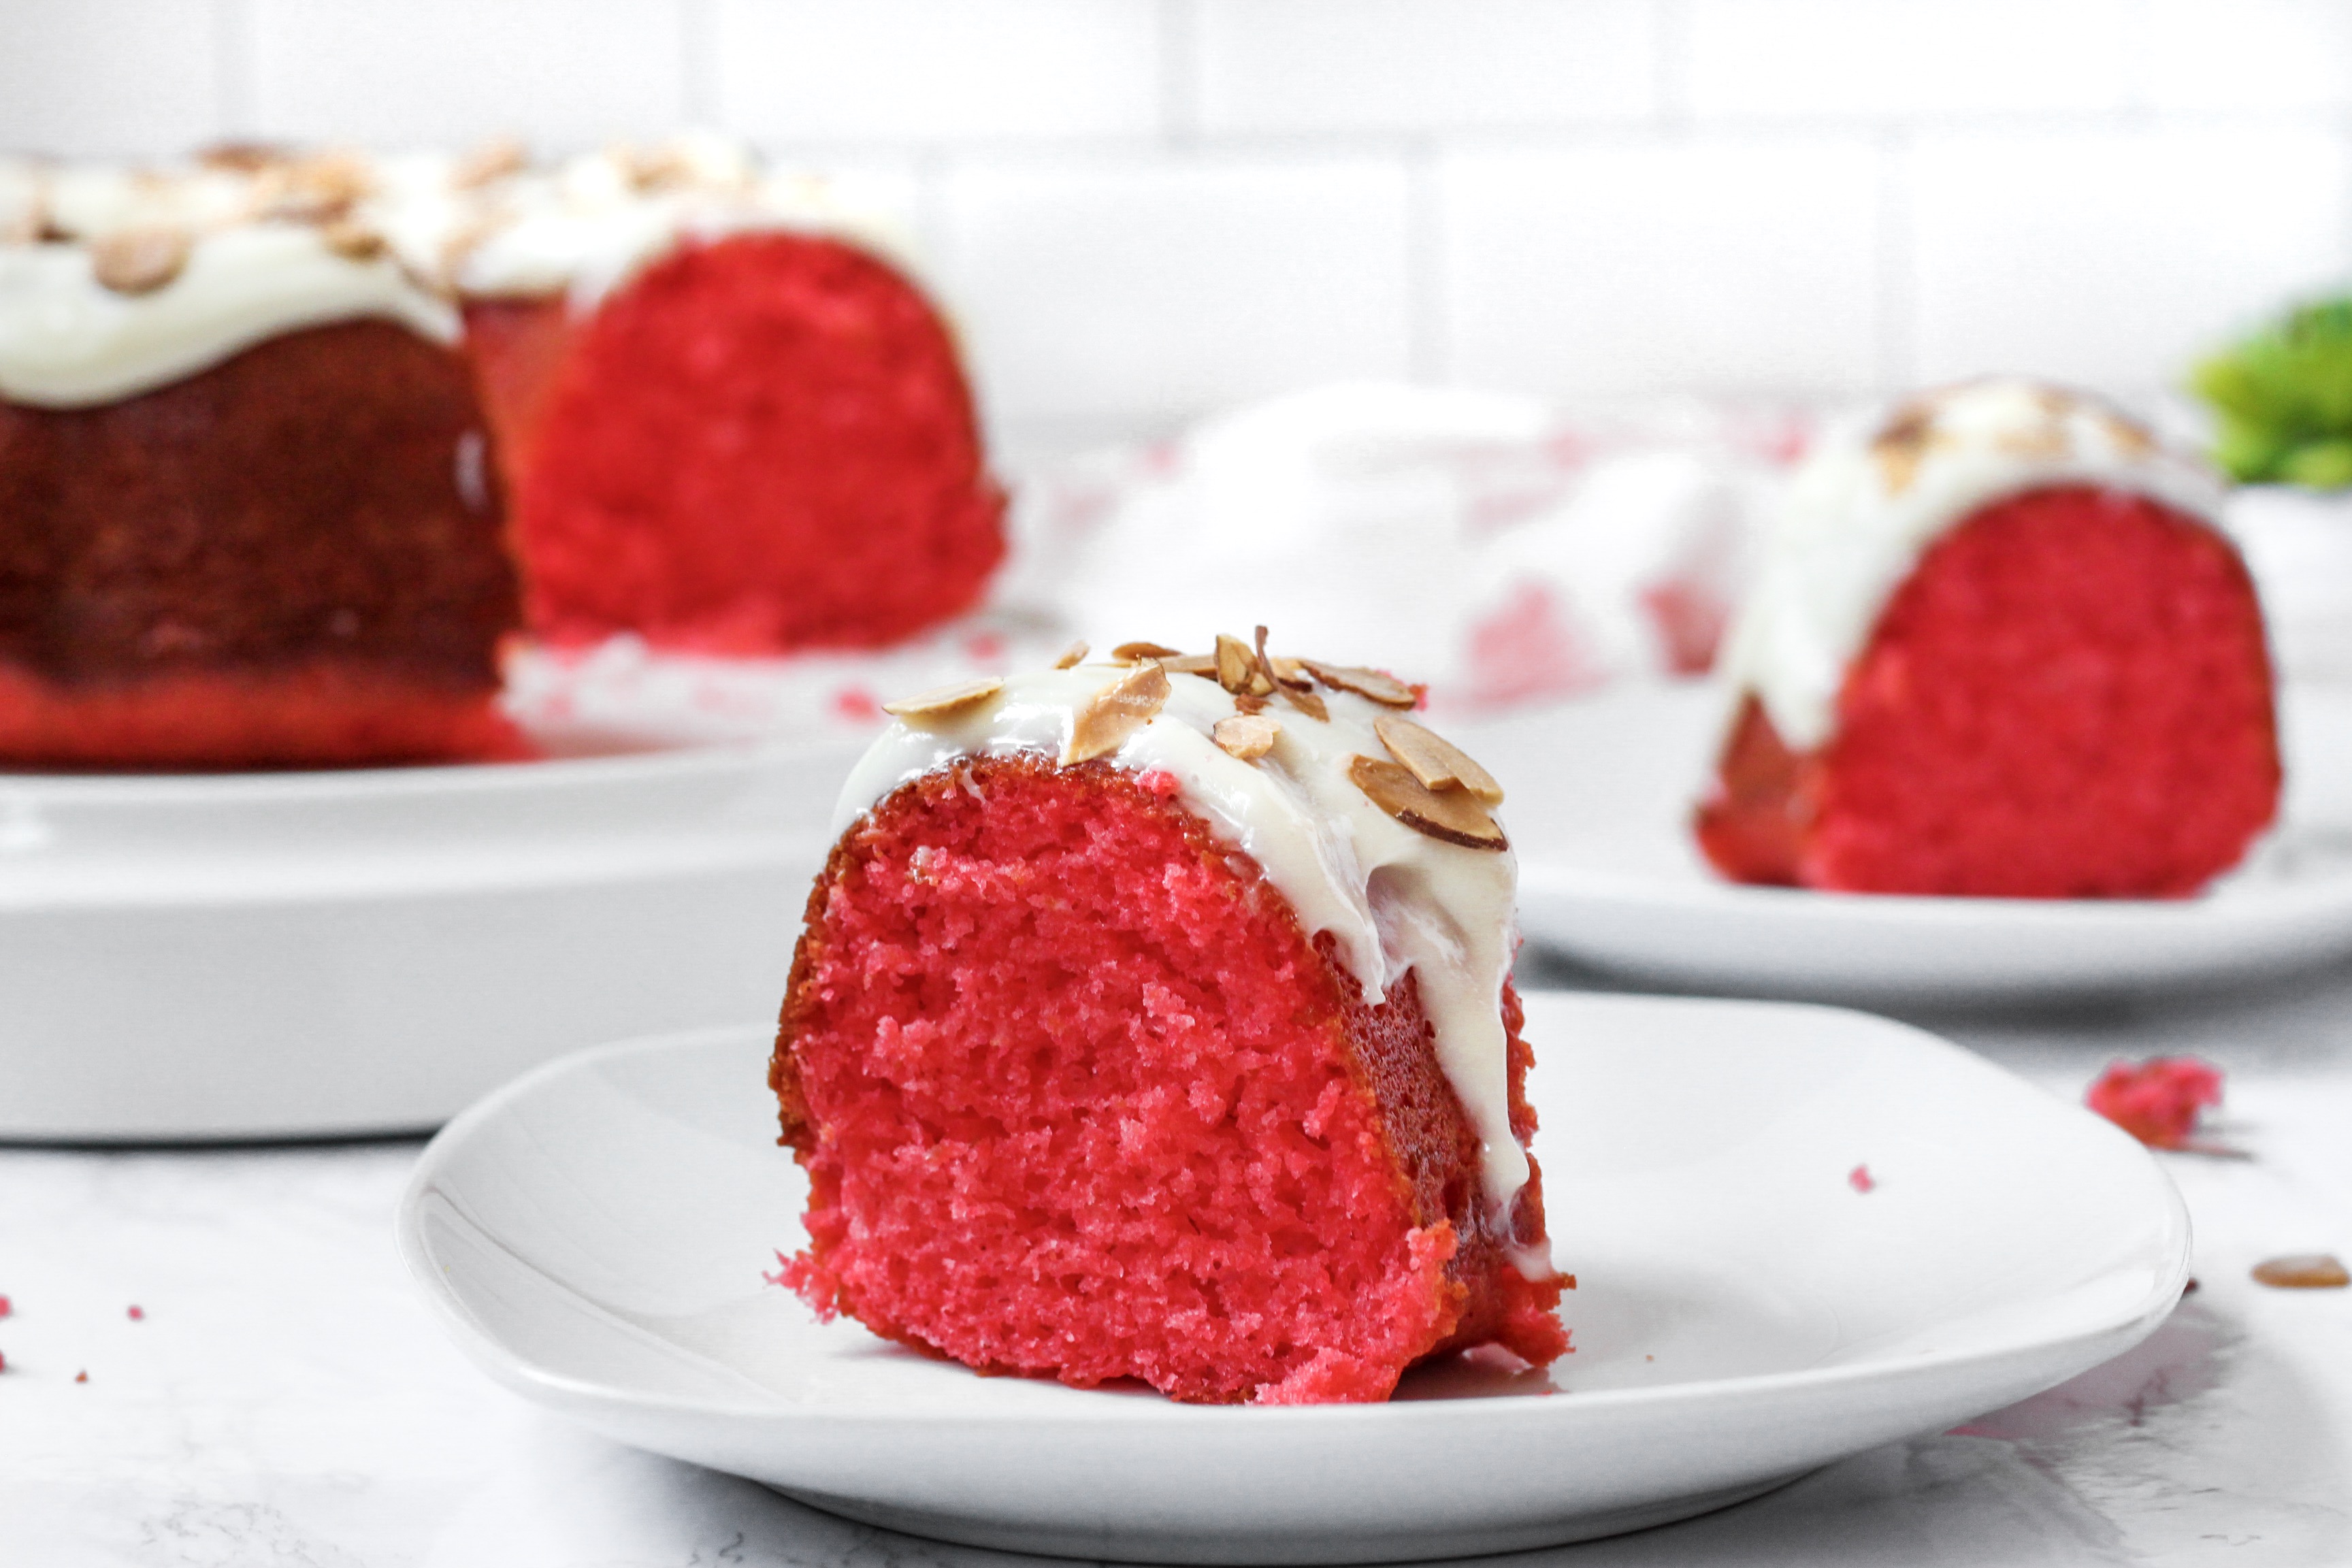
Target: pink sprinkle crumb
1860,1180
1159,782
7,1307
984,647
81,1377
856,704
138,1314
2157,1100
4,1364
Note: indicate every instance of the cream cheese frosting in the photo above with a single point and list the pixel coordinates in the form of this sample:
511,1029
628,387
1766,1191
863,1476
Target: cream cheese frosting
584,227
253,271
1393,900
1876,491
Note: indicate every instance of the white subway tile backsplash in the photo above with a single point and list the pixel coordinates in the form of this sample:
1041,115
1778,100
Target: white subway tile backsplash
1807,59
1714,266
2247,55
2113,257
566,73
930,70
1392,65
1153,291
103,78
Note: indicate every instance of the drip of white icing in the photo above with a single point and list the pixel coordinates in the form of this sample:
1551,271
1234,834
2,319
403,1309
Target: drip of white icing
1858,516
585,227
1392,898
68,341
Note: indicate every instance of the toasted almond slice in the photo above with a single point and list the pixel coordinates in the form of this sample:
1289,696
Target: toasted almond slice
1306,703
492,160
1249,702
1235,663
1289,672
1105,719
1434,760
1072,655
1377,684
352,240
140,260
1248,736
944,702
1191,664
2303,1271
1454,817
1129,652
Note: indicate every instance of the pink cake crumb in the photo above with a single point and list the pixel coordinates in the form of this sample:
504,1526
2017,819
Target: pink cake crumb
1860,1180
2156,1102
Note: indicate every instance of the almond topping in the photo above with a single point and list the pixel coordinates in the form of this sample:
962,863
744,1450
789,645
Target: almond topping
944,702
492,160
352,240
1249,702
1248,736
1129,652
1235,665
1454,817
1306,703
1434,760
1377,684
1191,664
2303,1271
140,260
1071,657
1105,719
1290,672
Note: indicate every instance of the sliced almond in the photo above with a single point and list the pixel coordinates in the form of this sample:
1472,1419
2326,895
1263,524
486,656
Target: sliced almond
2303,1271
1105,719
140,260
1377,684
1290,672
944,702
1191,664
1306,703
492,160
1248,736
1129,652
1249,702
1071,657
1435,761
352,240
1454,816
241,157
1236,664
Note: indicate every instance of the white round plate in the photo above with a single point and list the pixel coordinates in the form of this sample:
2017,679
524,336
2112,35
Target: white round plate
269,955
1600,795
593,1236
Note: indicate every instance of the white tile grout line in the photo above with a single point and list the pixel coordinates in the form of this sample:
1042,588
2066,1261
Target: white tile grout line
1428,333
235,70
1181,111
697,23
1895,318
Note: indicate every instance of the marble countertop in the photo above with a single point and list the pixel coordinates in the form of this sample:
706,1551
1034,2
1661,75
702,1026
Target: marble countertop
281,1397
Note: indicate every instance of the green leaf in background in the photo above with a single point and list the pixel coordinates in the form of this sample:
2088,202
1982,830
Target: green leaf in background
2283,398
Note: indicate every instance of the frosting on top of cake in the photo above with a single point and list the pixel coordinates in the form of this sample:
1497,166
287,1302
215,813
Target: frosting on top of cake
116,281
1875,492
492,227
1392,897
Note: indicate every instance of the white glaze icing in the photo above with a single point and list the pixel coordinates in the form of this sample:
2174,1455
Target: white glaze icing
67,341
584,227
1392,898
1860,513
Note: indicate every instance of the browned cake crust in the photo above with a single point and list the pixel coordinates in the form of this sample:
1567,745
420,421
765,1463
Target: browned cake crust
326,495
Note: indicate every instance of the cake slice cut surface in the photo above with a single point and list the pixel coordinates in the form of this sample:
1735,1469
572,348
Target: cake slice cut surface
1087,1086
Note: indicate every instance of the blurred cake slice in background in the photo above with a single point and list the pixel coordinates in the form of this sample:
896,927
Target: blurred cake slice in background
729,420
248,515
2000,646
